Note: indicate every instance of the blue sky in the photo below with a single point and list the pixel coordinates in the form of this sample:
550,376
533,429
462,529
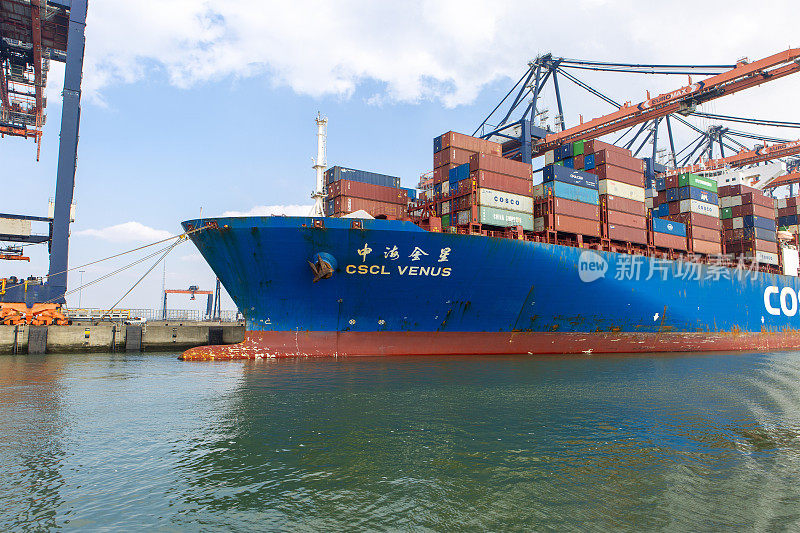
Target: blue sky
215,106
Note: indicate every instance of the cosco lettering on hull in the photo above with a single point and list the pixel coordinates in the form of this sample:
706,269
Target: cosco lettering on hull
780,301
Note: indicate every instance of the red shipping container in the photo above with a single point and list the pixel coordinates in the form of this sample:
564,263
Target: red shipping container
500,165
576,225
356,189
344,205
607,157
705,234
735,190
696,219
578,162
732,234
452,139
626,205
456,156
660,198
674,208
442,173
575,209
503,182
596,146
792,201
619,218
758,199
754,209
663,240
627,234
672,182
706,247
624,175
759,245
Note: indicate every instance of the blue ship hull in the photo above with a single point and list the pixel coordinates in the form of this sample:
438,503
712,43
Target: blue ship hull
398,289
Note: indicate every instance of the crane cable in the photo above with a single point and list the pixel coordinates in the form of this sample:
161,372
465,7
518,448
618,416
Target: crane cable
180,237
163,256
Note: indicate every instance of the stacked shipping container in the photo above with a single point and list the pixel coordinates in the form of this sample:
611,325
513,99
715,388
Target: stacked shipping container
567,199
351,190
621,186
474,184
748,223
691,200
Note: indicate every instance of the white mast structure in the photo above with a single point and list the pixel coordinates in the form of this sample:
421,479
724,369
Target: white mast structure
319,166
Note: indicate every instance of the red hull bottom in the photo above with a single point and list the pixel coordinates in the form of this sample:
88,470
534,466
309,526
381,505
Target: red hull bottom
265,344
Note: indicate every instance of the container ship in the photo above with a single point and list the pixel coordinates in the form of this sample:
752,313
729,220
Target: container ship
607,254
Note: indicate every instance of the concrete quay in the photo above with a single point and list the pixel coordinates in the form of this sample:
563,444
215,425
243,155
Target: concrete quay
151,336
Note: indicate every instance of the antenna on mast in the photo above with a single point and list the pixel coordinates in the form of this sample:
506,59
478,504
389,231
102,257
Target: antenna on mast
319,166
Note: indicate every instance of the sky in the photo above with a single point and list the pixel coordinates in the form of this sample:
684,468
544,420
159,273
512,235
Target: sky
208,106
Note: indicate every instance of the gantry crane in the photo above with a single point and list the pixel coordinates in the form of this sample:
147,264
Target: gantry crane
523,140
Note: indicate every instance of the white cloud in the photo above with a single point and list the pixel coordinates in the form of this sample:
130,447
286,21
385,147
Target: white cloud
445,50
126,232
269,210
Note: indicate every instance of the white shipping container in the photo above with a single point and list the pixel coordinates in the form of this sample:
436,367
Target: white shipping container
13,226
781,203
766,257
649,193
505,200
463,217
445,188
550,157
738,222
791,261
538,191
538,224
446,207
730,201
623,190
701,208
648,203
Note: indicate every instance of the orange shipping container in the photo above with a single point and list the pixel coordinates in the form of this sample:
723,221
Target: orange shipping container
452,139
500,165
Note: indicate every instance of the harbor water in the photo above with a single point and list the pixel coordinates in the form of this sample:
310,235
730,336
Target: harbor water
686,442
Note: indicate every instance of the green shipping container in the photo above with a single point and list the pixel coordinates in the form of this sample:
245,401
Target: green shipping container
559,163
697,181
502,217
577,148
445,221
726,212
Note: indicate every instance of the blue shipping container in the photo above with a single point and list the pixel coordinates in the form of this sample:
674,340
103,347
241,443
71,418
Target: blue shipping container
569,162
752,221
661,225
588,162
412,193
437,144
661,184
760,233
672,195
568,191
661,211
459,173
563,152
695,193
342,173
568,175
788,220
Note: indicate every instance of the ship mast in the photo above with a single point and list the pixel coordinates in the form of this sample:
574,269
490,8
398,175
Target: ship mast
319,166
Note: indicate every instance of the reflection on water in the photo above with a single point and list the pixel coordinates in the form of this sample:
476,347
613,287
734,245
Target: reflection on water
691,442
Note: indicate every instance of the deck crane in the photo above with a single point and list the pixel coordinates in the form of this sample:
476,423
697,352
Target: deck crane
684,100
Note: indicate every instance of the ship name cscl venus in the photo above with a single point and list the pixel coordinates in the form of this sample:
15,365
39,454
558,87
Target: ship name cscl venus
608,254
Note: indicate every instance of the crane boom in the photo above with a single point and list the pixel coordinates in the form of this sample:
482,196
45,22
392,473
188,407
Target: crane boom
743,76
745,157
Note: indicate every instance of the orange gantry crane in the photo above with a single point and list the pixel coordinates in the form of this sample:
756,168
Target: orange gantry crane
744,158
